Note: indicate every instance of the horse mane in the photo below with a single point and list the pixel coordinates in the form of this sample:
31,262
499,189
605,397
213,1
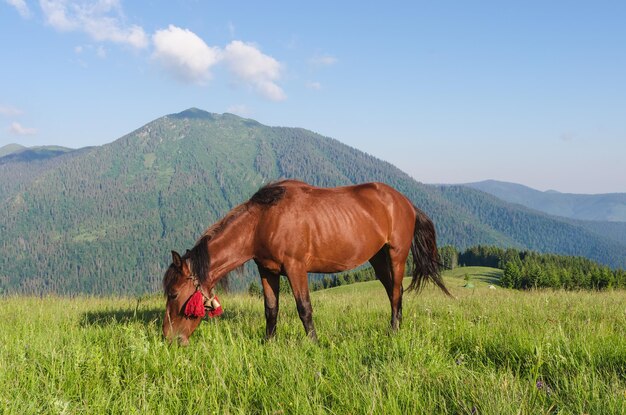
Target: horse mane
199,258
268,195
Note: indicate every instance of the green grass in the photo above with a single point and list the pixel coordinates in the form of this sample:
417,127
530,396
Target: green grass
484,352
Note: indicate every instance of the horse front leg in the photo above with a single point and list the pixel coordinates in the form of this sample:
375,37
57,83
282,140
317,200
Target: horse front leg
271,283
305,311
300,286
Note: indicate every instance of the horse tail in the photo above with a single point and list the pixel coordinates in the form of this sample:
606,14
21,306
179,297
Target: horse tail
426,262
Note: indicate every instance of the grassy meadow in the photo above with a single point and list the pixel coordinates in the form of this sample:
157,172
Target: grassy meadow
488,352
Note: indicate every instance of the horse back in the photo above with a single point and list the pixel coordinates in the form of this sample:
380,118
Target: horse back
333,229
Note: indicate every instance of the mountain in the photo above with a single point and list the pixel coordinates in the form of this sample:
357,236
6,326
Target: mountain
16,152
23,165
19,165
542,232
10,148
600,207
615,231
104,219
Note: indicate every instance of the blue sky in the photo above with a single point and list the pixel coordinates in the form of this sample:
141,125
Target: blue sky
532,92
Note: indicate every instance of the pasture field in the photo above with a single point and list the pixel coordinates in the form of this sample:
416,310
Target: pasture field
488,352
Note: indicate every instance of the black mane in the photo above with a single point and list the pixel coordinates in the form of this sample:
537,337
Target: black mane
199,259
268,195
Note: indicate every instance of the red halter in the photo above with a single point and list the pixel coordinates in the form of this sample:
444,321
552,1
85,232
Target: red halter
199,303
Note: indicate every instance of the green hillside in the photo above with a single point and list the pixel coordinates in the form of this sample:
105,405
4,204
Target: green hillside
20,168
612,230
104,219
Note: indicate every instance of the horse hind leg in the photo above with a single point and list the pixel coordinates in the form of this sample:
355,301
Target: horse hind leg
387,271
398,264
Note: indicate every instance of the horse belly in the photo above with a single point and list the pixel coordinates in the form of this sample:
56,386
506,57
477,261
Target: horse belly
344,247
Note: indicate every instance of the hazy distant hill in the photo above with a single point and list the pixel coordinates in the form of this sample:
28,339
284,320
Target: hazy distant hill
10,148
600,207
104,219
16,152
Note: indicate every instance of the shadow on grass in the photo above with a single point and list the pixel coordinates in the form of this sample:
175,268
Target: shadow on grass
490,277
148,316
123,316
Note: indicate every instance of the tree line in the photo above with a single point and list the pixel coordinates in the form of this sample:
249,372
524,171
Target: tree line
528,269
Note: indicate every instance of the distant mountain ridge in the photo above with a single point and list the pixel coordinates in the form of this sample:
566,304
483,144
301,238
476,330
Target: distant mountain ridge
600,207
10,148
17,152
103,220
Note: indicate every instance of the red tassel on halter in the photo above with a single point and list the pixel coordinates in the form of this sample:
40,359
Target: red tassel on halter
216,307
195,305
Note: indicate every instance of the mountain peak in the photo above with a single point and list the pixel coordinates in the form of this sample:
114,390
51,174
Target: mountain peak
196,113
199,114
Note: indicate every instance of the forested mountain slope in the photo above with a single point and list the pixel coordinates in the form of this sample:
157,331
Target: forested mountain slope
104,219
611,230
18,169
600,207
538,231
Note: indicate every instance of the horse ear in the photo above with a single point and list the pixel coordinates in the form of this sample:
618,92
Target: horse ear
176,259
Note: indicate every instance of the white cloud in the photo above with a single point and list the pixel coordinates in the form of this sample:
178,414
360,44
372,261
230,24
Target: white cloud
180,51
21,6
17,129
185,54
102,20
56,15
9,111
316,86
323,60
187,57
253,67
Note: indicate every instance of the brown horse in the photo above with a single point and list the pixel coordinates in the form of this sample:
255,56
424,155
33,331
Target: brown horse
292,228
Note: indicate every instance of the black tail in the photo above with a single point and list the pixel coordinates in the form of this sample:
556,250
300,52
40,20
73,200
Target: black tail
425,256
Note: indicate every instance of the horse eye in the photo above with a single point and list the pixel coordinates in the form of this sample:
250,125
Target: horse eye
172,296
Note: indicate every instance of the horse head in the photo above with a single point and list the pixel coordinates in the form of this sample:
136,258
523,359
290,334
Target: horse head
185,301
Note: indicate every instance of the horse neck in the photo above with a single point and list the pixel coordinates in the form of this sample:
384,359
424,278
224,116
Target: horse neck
232,246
